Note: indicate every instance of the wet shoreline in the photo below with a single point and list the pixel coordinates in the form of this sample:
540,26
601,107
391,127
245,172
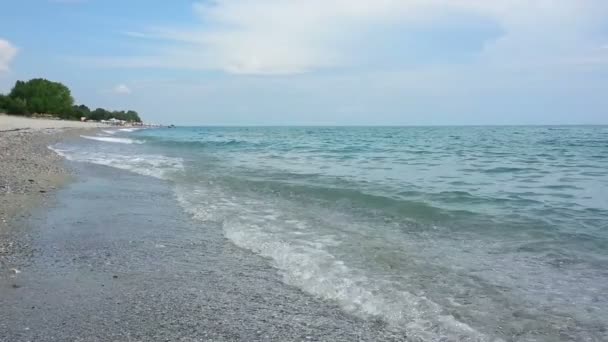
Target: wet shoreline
29,174
113,258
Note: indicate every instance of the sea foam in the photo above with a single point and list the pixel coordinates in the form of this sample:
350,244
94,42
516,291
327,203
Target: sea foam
113,140
157,166
303,255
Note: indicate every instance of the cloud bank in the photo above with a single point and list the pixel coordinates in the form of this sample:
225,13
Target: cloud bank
264,37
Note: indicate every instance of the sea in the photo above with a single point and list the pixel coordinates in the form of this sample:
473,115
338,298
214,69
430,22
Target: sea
444,233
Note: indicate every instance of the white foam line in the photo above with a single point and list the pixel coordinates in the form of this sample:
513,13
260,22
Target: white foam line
148,165
113,140
59,152
303,257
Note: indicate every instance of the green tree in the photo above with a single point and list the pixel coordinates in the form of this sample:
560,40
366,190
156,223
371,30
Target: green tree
132,115
4,101
9,105
103,114
40,96
100,114
43,96
80,111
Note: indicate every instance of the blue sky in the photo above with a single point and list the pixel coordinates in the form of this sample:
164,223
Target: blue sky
315,62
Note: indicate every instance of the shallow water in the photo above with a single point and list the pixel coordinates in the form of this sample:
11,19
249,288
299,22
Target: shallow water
113,257
478,233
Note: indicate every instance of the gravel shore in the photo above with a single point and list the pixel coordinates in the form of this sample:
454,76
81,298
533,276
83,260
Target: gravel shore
113,257
29,171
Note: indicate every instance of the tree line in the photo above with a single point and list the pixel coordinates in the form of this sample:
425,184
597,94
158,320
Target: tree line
41,96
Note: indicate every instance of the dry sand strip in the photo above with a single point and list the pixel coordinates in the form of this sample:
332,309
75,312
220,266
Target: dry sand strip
13,123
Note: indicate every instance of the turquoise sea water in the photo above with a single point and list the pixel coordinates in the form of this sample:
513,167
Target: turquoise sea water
462,233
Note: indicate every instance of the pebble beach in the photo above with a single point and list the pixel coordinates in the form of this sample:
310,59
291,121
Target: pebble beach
29,171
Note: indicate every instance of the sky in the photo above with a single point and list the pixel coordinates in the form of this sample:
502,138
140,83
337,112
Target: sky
318,62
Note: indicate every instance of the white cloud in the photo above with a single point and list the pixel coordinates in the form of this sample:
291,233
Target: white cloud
7,53
287,37
122,89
